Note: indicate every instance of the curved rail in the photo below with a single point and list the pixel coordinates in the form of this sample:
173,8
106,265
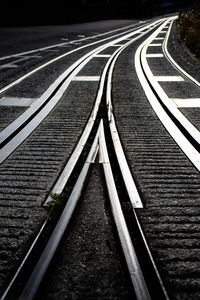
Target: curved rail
59,186
160,101
99,145
136,274
42,107
173,62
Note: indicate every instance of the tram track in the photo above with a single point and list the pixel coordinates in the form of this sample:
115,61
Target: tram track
167,179
47,101
98,145
163,223
181,129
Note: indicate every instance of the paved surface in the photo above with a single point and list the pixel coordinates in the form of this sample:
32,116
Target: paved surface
89,264
28,175
168,183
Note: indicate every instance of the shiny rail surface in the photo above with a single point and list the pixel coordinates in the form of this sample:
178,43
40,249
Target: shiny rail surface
12,136
98,146
164,106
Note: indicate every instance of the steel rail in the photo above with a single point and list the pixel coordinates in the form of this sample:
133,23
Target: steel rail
39,270
42,265
64,81
125,170
134,268
171,127
173,62
63,178
171,106
6,292
99,145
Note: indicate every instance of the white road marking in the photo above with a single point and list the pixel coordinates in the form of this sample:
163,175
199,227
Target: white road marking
86,78
155,45
15,101
191,102
142,68
172,61
169,78
159,38
116,45
155,55
103,55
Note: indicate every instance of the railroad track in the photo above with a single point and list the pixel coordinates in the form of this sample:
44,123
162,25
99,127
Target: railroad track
168,181
101,134
186,135
48,99
20,129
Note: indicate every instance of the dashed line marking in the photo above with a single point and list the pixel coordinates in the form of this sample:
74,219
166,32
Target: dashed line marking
155,45
190,102
169,78
155,55
15,101
116,45
103,55
86,78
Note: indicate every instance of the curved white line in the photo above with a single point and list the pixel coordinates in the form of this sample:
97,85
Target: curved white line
62,180
193,131
172,61
135,271
173,130
125,170
4,134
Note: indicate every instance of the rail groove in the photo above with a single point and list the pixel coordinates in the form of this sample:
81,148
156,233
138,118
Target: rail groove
99,145
180,128
12,136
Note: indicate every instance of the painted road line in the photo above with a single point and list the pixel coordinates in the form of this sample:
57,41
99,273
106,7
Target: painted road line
177,135
191,102
86,78
172,61
169,78
15,101
103,55
155,45
155,55
64,79
116,45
